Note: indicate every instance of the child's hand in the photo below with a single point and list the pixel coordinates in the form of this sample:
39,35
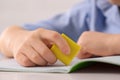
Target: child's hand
95,44
32,48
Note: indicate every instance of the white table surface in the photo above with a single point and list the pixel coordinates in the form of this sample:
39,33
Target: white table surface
46,76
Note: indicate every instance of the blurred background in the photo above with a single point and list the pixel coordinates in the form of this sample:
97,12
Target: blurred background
18,12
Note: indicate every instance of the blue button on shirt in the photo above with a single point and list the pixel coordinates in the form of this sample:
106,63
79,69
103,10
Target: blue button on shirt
90,15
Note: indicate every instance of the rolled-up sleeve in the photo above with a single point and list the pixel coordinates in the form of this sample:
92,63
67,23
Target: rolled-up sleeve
73,22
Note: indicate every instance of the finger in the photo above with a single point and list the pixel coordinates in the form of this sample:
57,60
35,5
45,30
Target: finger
44,51
57,39
34,56
83,54
23,60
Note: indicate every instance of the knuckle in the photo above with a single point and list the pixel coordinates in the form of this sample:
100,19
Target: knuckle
39,60
45,52
85,33
55,35
53,61
33,35
82,42
25,62
39,30
30,39
17,52
84,38
20,49
35,57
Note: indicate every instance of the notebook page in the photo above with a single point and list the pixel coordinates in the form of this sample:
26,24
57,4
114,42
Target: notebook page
12,65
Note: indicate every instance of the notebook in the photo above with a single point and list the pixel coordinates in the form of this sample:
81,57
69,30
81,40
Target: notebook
12,66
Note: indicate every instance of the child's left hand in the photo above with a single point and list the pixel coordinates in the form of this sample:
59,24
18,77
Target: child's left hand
95,44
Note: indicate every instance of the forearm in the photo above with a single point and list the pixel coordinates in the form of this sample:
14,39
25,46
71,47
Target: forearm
8,38
115,43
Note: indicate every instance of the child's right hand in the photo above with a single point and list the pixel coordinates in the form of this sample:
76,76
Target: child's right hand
32,48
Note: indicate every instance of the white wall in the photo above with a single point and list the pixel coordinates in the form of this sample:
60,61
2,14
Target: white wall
23,11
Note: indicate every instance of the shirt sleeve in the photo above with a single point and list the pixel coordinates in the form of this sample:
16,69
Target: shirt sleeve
72,23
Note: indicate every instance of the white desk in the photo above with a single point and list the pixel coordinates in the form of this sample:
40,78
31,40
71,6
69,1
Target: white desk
106,72
43,76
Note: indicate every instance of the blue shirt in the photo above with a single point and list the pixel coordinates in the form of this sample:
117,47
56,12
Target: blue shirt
90,15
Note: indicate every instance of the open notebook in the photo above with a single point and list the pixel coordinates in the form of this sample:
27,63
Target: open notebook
12,65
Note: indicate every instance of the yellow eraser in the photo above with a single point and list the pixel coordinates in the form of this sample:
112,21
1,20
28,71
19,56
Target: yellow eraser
66,59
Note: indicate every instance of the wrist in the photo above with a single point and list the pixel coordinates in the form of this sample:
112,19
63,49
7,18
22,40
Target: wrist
7,39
